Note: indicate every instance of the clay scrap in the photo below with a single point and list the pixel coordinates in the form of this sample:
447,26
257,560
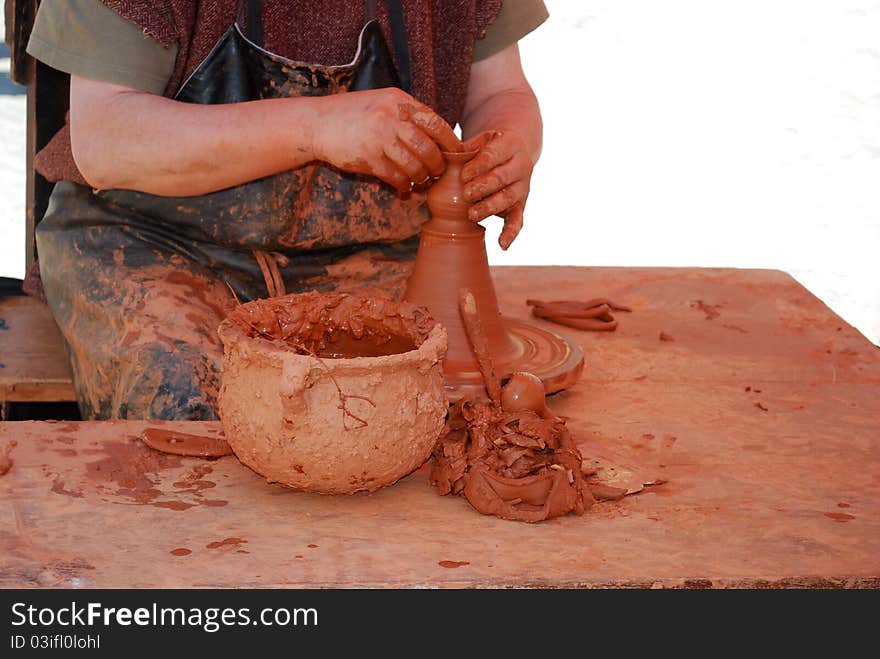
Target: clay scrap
180,443
523,465
593,315
514,465
5,459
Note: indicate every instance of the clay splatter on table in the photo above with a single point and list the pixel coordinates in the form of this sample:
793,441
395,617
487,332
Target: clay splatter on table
840,517
225,542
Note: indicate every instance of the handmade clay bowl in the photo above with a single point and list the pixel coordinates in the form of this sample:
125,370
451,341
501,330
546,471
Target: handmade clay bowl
332,393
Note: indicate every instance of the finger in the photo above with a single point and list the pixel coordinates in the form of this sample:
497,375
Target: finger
434,125
425,149
480,140
497,151
499,202
391,174
497,179
513,224
406,161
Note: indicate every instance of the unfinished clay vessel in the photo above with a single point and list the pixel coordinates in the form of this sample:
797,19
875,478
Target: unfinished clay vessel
452,256
332,393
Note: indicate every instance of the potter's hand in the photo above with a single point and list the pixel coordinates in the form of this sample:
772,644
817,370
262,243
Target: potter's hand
384,133
497,180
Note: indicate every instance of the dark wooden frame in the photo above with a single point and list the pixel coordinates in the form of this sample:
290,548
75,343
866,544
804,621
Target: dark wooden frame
48,99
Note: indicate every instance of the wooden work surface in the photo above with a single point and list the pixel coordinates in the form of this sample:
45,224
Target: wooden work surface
33,366
763,413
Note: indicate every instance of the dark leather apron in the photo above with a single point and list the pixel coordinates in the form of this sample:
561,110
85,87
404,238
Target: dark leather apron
138,283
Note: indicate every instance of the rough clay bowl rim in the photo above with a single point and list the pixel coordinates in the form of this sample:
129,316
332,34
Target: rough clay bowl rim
232,334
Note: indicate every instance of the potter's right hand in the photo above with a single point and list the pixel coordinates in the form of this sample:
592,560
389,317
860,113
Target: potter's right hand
384,133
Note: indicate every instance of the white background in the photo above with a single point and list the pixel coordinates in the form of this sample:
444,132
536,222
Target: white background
740,133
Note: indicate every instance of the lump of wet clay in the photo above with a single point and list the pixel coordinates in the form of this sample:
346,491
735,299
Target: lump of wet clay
514,465
332,393
5,459
181,443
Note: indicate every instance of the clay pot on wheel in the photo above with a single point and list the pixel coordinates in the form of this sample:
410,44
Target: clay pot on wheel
332,393
452,256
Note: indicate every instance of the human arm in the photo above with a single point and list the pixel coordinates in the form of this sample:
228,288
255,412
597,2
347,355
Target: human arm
502,118
122,137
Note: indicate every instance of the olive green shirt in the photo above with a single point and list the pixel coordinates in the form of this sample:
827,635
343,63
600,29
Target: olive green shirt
90,40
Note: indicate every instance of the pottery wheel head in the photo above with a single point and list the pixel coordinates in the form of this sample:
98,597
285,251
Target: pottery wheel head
556,360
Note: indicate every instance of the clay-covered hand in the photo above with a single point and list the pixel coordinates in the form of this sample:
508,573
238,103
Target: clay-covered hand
497,180
384,133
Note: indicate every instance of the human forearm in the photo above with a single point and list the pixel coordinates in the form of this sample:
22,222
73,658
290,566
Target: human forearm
123,138
502,120
128,139
508,110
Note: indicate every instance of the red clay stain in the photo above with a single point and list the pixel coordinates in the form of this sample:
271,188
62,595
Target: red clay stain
174,505
647,435
736,328
67,452
452,564
195,481
127,465
167,340
711,311
66,426
194,486
181,551
840,517
227,541
199,287
58,488
130,337
130,469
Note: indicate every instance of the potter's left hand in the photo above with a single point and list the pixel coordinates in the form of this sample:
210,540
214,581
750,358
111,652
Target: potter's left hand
497,180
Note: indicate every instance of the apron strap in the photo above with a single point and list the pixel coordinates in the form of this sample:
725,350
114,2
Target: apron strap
400,41
370,13
249,16
268,262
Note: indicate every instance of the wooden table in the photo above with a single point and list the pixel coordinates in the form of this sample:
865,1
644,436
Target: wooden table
762,409
33,365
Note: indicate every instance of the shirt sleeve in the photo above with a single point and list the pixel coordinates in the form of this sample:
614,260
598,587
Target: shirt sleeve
515,20
90,40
